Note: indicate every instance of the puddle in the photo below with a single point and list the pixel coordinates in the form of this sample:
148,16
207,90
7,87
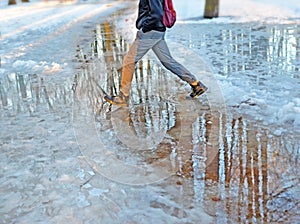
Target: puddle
164,158
235,170
257,65
257,50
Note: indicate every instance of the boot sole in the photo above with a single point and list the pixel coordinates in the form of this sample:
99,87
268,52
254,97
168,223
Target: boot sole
107,99
198,94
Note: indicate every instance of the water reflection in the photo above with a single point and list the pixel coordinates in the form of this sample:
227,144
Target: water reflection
275,50
255,172
239,173
151,114
256,50
28,93
284,44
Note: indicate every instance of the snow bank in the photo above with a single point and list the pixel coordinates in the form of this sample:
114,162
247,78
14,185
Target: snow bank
236,11
231,11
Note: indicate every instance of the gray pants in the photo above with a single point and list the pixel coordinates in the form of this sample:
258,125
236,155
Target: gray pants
143,43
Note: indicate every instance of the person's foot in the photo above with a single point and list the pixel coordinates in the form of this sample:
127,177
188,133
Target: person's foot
119,100
197,90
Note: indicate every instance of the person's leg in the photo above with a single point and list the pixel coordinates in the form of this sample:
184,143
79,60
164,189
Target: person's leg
161,50
142,44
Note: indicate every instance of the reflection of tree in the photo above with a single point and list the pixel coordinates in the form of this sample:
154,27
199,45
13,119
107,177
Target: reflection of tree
148,94
273,50
250,168
283,179
258,171
3,95
297,69
102,72
29,92
248,171
212,153
150,111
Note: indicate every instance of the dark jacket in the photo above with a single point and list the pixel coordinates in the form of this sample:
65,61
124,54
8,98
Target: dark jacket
150,15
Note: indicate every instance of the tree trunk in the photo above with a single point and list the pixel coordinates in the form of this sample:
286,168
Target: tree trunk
25,0
211,9
12,2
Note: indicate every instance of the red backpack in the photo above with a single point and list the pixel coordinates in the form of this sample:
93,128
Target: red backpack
169,16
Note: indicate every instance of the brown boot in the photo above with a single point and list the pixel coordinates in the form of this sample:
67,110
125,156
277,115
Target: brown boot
198,89
119,100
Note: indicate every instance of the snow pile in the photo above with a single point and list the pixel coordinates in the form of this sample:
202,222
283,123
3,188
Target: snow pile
42,67
290,112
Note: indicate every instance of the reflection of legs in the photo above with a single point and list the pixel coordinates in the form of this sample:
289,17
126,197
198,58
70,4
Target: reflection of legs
142,44
129,62
151,40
